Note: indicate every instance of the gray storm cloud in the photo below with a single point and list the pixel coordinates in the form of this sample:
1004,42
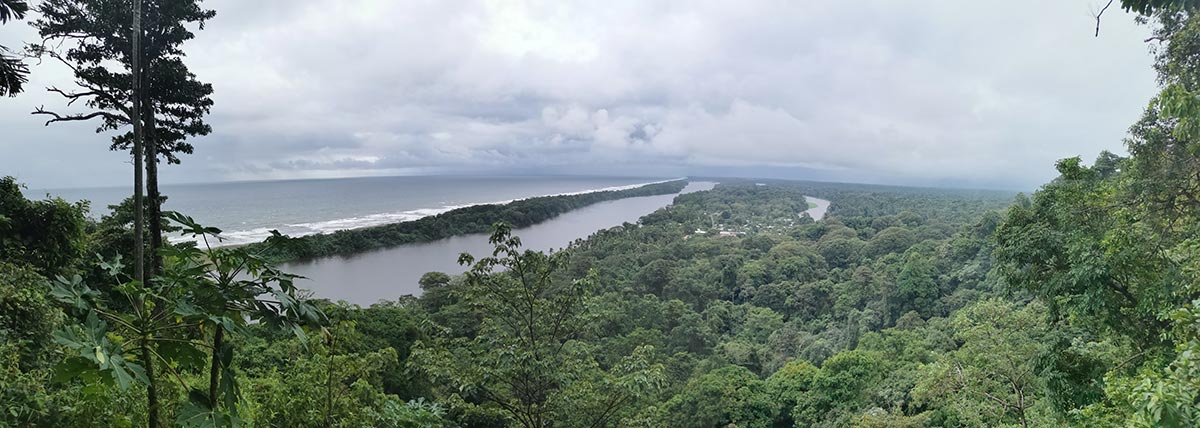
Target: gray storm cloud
937,91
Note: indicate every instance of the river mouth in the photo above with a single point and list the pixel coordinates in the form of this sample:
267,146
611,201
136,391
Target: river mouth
388,274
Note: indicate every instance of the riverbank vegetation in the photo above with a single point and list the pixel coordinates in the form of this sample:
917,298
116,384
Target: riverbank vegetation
460,221
904,307
1074,306
644,323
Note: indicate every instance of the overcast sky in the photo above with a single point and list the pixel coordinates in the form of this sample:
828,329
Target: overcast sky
940,92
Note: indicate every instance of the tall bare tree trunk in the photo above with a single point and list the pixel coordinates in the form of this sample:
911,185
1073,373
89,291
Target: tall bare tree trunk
154,221
138,222
329,339
152,193
138,210
214,373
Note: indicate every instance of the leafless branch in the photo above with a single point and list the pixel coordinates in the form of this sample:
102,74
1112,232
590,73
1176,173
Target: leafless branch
93,90
1110,2
74,96
55,117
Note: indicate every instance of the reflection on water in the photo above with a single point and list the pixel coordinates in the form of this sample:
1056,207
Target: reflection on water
387,274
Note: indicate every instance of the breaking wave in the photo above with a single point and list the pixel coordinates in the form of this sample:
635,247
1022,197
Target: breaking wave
242,237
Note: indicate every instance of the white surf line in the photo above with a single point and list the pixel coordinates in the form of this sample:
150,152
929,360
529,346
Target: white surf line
240,237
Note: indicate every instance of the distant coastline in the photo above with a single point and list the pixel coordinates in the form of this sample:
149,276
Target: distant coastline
454,221
258,234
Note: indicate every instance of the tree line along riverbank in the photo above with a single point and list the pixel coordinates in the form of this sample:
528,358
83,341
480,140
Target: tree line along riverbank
461,221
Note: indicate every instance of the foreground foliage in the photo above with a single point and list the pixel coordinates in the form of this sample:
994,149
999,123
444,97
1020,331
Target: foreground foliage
1074,306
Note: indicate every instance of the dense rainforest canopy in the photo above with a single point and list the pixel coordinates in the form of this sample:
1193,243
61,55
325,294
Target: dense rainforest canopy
647,323
1077,305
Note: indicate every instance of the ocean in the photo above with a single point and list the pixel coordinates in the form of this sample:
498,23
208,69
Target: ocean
247,211
389,273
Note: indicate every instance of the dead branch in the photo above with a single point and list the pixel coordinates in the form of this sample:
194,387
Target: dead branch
74,96
1110,2
55,117
93,90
